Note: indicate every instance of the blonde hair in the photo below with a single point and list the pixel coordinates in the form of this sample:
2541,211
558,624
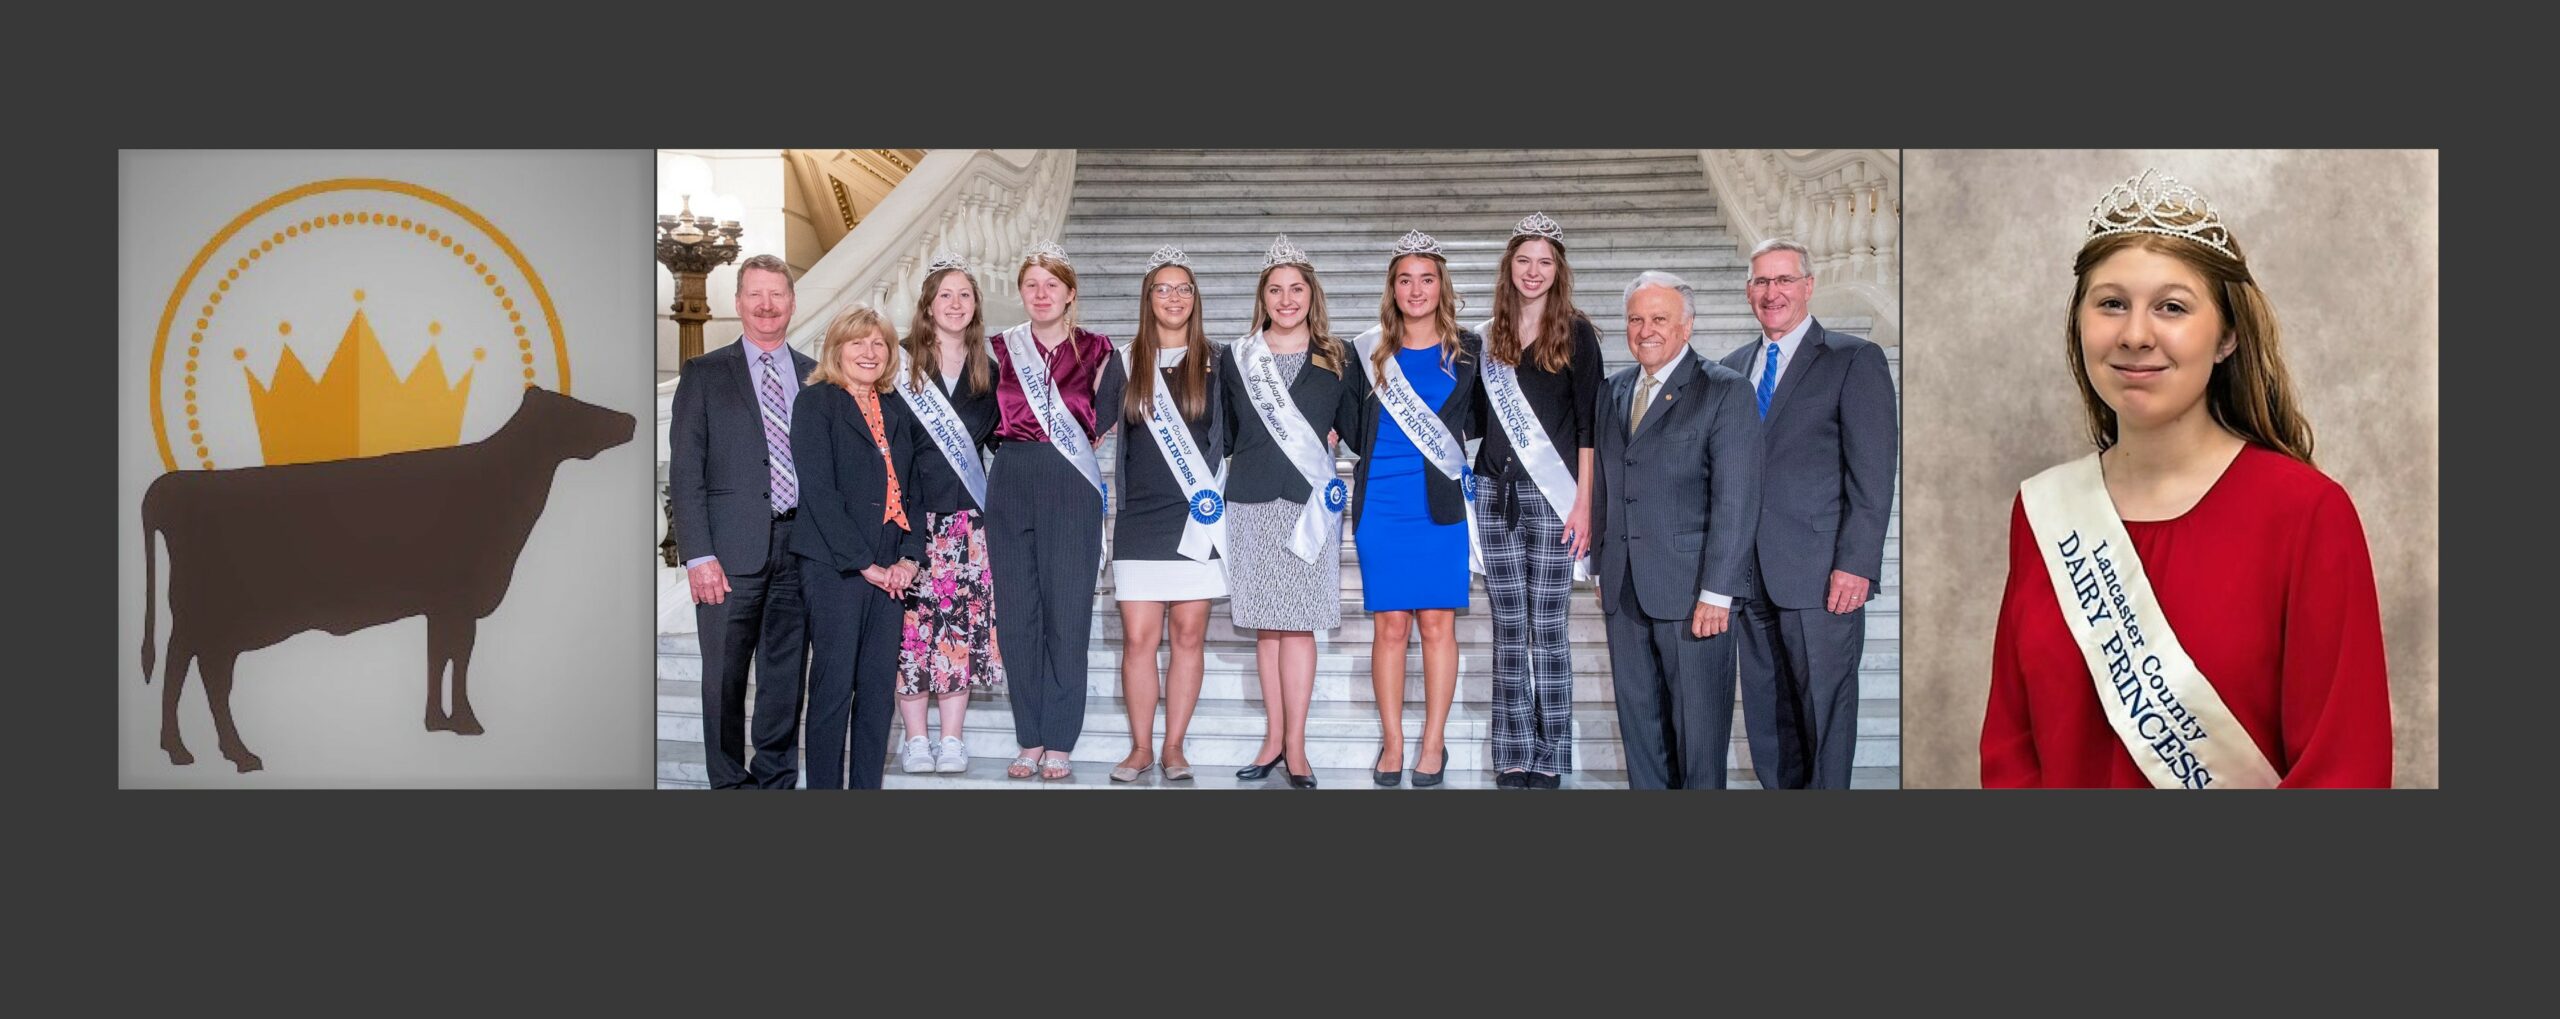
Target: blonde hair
1391,317
852,324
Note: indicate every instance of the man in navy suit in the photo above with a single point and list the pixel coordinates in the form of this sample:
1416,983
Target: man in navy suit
1827,413
1674,501
736,493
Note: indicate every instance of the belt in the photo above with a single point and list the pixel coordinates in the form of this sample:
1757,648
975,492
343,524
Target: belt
787,514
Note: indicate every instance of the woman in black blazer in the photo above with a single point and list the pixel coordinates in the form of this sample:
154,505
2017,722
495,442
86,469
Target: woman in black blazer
855,447
1272,589
1409,519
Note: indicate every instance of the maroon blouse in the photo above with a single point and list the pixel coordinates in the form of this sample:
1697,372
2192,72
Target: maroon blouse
1073,365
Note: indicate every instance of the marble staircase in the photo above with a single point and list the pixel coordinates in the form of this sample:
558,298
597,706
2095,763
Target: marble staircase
1623,211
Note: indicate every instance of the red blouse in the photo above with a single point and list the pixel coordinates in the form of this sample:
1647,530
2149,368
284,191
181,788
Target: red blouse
1074,365
2269,585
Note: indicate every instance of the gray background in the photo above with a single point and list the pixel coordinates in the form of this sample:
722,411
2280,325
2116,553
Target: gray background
2344,244
560,674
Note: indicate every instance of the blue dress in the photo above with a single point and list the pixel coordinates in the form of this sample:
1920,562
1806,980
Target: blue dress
1406,560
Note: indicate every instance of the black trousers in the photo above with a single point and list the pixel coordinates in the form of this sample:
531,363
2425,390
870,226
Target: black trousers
855,630
1800,692
1044,546
1675,696
762,622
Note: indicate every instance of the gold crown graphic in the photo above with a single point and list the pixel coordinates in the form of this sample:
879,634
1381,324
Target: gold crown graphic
358,406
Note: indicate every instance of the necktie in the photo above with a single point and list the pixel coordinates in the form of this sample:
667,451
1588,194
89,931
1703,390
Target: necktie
1644,399
893,508
777,434
1768,380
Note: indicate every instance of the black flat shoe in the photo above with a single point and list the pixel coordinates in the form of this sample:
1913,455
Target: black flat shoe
1543,781
1511,780
1384,777
1258,772
1426,779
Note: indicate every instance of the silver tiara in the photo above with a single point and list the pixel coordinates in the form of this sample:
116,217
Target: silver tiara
1167,255
1415,242
946,260
1048,249
2155,203
1538,225
1285,253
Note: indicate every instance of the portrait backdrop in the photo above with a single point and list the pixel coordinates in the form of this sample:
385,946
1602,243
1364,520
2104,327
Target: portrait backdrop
2344,245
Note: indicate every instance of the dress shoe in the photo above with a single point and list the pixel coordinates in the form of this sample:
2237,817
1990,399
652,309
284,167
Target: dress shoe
1257,772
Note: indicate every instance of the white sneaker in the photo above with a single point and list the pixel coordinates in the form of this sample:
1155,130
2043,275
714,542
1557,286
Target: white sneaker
915,757
952,757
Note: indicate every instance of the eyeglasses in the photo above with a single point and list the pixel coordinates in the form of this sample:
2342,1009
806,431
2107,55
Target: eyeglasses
1171,290
1765,282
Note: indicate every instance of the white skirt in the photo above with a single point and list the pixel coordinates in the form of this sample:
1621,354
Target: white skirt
1166,580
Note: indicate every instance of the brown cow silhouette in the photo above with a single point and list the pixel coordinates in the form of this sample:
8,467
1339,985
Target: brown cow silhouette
258,554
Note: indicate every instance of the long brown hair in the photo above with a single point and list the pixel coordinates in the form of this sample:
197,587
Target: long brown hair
1552,350
1323,351
1191,380
924,349
1391,317
2249,393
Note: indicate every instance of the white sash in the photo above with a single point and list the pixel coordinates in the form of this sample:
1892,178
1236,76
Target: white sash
1529,442
1205,527
950,434
1422,425
1279,415
2166,712
1065,434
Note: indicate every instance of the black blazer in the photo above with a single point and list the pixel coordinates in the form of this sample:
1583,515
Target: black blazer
1448,501
843,490
1209,433
937,487
1258,470
718,473
1679,502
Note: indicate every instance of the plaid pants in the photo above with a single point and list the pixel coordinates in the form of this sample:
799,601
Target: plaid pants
1529,579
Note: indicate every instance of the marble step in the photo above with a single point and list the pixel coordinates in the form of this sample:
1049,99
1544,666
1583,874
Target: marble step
1228,734
1205,159
1326,216
681,768
1422,191
1341,673
1100,169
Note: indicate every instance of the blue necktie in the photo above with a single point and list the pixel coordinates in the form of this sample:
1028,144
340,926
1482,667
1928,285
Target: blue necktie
1768,381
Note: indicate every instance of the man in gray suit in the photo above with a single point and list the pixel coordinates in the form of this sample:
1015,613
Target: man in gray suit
736,493
1827,408
1677,496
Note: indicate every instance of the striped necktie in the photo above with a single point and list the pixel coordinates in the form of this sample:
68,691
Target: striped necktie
777,434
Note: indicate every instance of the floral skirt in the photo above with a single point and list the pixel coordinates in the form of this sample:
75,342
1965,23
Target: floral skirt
949,638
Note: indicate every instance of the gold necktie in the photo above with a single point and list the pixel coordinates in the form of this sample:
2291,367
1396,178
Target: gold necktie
1644,399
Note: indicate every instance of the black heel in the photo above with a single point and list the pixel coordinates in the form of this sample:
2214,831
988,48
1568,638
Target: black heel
1384,777
1258,772
1426,779
1298,781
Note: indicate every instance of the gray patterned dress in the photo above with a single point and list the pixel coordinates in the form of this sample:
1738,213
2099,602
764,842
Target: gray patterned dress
1270,588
